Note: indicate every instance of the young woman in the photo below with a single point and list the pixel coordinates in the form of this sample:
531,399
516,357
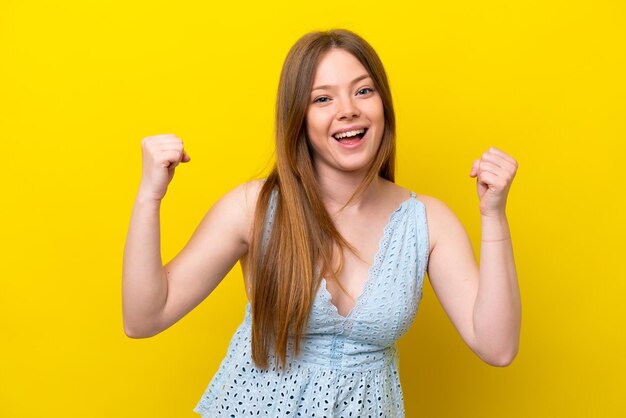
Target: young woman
332,250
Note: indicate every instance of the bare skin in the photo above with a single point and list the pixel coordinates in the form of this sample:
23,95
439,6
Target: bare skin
482,302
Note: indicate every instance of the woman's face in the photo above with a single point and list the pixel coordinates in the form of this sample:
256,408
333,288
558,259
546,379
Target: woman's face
345,115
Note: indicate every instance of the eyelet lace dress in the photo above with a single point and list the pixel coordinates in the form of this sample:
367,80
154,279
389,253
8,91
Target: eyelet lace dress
347,366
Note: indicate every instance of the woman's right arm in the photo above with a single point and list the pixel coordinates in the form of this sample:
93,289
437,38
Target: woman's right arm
155,296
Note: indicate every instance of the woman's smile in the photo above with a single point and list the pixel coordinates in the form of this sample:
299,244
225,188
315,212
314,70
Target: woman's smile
351,137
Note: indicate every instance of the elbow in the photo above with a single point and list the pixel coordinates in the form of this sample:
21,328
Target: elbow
502,359
140,325
135,332
497,355
498,352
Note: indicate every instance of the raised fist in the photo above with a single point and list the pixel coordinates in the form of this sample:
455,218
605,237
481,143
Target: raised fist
494,174
160,154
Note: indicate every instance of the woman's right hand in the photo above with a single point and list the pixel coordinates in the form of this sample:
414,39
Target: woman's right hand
160,154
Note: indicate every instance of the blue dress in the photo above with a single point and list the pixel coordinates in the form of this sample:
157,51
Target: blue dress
347,366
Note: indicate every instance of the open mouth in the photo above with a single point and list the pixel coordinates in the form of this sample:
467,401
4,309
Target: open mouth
350,136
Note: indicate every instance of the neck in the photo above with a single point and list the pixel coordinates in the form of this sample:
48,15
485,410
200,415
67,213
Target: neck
337,188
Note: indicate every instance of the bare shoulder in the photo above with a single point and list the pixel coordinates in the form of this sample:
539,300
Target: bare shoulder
244,196
440,218
238,206
433,205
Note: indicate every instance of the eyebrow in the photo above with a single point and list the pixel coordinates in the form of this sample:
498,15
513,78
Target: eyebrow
328,86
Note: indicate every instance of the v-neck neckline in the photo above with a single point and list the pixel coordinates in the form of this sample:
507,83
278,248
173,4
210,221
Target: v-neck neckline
374,266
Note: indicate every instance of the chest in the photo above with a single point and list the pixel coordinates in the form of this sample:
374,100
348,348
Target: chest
387,295
366,234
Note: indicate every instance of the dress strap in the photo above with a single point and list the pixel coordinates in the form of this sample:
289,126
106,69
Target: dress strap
269,217
422,236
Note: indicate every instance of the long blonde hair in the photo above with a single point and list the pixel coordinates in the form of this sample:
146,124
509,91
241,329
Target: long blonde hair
302,236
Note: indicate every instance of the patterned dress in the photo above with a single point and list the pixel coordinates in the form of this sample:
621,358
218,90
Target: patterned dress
347,366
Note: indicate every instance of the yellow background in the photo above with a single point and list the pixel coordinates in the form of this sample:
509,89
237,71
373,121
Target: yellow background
81,83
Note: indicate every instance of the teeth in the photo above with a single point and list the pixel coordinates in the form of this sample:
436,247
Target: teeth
349,133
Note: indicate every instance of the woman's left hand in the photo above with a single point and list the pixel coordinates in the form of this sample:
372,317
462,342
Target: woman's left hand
494,174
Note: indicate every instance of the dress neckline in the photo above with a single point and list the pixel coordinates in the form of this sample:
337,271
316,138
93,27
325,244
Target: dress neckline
374,267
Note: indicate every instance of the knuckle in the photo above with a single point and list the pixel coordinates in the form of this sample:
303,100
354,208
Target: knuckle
164,156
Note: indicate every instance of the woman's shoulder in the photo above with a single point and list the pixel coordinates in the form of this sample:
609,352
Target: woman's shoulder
439,216
402,193
436,209
431,202
245,194
237,206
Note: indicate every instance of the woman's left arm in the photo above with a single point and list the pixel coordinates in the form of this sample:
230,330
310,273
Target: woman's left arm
497,310
482,302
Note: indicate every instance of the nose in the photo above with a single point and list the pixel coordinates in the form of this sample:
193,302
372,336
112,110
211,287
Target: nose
348,110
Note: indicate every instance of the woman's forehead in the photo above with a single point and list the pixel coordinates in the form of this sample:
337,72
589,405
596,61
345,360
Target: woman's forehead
336,68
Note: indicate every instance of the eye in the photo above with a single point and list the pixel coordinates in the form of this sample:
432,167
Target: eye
321,99
365,90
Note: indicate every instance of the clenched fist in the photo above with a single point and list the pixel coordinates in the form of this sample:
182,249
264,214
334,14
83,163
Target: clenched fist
494,174
160,154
